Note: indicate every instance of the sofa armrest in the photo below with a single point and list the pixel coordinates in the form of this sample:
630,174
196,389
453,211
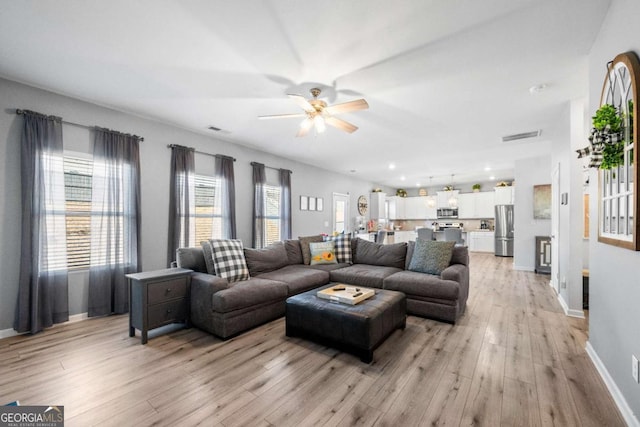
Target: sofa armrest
203,287
458,273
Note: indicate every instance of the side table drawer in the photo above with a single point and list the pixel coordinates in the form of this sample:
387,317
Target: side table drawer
169,289
167,312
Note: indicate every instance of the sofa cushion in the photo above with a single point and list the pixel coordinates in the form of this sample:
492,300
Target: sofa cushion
460,255
253,292
322,253
343,248
298,278
294,251
382,255
422,285
267,259
229,261
304,246
325,267
363,275
431,257
192,259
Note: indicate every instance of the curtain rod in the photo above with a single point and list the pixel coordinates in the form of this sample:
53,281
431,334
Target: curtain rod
269,167
200,152
21,112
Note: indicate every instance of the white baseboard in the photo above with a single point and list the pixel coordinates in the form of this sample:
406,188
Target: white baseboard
523,268
621,402
568,311
6,333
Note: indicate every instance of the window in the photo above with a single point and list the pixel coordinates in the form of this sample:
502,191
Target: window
77,191
272,214
208,215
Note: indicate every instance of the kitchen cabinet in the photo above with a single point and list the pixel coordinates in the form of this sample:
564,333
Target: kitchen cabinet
415,208
504,195
377,205
481,241
396,207
476,205
444,196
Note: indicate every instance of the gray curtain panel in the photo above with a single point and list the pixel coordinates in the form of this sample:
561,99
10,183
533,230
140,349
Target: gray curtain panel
259,181
285,204
181,201
42,288
224,172
115,221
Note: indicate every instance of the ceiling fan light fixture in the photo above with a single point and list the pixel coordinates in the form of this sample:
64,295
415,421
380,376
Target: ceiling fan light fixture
319,123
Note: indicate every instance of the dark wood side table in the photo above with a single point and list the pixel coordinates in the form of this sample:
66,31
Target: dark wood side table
158,298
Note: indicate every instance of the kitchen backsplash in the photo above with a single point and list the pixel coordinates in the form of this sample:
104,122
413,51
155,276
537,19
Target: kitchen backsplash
468,224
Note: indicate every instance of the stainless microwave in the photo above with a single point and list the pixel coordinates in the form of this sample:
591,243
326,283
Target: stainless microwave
447,213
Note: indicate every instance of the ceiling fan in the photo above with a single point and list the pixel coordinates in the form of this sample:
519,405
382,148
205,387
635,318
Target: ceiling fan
317,113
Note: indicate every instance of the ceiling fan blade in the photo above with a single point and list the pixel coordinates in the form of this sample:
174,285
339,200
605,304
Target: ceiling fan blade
340,124
304,127
358,104
282,116
302,102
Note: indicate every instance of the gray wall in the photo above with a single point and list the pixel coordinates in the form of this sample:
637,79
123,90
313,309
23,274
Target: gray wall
614,318
155,157
529,172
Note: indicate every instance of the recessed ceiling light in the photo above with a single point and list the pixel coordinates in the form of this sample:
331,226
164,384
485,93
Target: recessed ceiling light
487,169
417,184
392,166
492,178
537,88
402,178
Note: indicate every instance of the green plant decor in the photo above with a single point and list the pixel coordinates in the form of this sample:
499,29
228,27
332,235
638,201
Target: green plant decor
607,124
475,187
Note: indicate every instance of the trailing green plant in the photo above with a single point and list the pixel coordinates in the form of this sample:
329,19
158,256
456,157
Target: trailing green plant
612,155
607,115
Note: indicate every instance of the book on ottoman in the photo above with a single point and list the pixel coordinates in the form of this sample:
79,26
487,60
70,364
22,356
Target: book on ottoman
346,294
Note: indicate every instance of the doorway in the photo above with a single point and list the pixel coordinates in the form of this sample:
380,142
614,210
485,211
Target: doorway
555,229
340,211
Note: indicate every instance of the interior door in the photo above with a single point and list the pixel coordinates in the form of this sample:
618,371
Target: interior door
555,229
340,213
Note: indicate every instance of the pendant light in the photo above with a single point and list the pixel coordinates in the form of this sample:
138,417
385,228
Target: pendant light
431,200
453,201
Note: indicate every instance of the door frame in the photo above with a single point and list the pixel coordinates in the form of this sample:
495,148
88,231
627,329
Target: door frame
347,199
555,228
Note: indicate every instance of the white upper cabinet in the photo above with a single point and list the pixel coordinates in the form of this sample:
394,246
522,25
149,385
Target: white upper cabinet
504,195
396,207
415,208
466,205
476,205
444,196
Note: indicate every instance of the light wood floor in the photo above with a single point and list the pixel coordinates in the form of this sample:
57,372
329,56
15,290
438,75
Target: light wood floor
513,359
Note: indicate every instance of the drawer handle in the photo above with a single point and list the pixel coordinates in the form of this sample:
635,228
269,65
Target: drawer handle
168,290
168,311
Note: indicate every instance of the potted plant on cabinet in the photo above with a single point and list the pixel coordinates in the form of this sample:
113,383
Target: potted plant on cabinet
475,188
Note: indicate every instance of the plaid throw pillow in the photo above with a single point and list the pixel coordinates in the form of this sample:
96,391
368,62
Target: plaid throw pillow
228,258
343,248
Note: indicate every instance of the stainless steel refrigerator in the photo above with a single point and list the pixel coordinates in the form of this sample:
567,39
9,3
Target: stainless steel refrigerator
504,230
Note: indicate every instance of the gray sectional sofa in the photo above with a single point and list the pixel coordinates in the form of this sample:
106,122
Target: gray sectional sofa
278,272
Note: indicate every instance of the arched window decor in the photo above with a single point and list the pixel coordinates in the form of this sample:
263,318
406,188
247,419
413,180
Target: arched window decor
612,150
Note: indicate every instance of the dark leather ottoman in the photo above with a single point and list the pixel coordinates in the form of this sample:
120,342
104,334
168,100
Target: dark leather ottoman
358,329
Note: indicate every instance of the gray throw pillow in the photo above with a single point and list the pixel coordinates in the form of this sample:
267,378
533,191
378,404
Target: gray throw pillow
267,259
294,252
304,246
431,257
208,256
383,255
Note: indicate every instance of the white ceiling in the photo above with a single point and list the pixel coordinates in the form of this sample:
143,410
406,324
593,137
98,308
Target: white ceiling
445,80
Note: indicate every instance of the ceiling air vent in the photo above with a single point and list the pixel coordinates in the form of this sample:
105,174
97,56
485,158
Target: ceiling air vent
213,128
518,136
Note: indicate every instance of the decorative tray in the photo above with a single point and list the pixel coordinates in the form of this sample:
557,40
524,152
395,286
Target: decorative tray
346,294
